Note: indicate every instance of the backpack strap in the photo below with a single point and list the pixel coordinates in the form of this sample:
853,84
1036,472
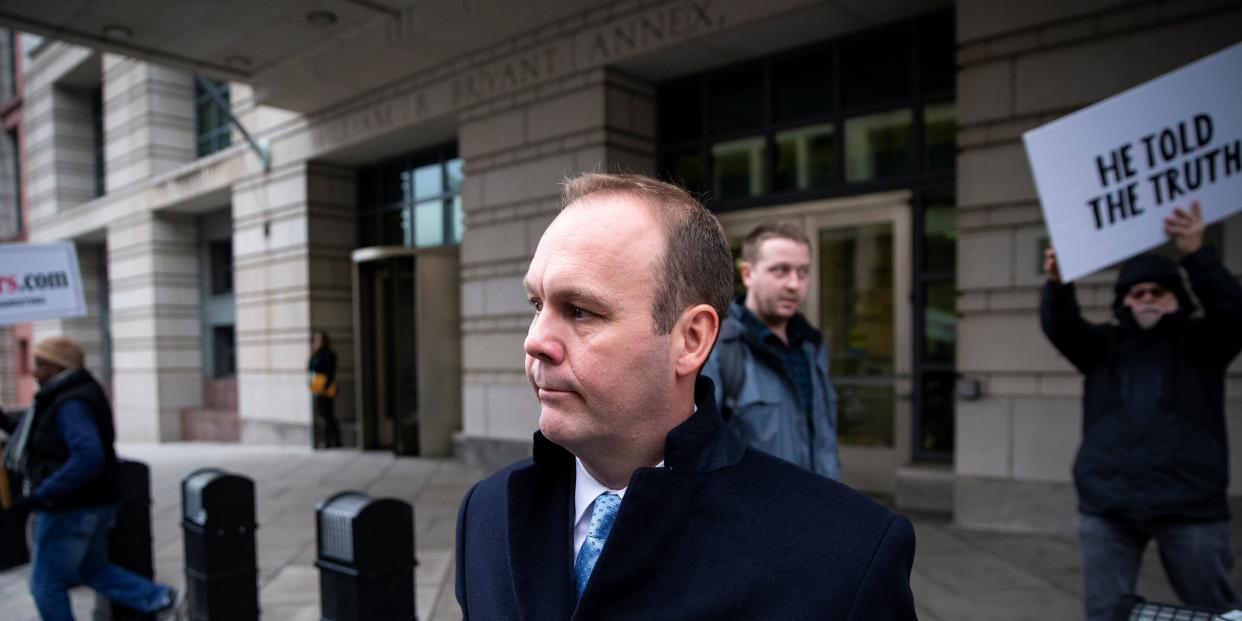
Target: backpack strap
732,357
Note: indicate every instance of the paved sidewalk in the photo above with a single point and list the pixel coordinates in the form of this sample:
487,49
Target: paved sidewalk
959,575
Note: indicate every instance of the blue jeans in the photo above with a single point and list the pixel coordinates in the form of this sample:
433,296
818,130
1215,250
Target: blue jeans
1196,556
71,548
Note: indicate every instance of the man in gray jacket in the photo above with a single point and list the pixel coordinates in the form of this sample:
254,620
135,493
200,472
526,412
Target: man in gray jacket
770,366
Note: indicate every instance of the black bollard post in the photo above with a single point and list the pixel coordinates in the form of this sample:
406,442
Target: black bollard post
129,543
221,569
13,549
366,558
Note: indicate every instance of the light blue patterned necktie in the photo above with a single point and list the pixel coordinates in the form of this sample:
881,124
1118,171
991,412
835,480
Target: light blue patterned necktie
603,514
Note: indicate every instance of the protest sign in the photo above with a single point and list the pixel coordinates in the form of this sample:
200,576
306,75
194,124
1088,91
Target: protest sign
1108,175
39,281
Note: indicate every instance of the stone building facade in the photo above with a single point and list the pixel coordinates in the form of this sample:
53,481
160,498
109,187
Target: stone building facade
16,385
404,195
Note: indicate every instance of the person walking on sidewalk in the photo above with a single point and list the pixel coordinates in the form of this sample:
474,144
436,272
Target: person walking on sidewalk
1154,459
64,448
770,366
322,370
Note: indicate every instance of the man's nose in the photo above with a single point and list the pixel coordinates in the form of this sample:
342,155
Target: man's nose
542,341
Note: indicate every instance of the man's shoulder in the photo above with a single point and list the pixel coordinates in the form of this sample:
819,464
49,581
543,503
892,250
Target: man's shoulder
497,480
493,490
765,475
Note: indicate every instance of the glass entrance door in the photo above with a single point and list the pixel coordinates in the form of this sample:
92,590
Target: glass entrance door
856,296
389,381
863,307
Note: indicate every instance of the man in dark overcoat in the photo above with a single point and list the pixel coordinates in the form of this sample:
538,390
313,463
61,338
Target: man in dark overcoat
639,503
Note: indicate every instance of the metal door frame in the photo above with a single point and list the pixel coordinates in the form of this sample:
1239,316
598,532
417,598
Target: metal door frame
368,437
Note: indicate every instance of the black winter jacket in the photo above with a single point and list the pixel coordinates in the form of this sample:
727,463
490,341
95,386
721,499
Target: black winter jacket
46,452
1154,446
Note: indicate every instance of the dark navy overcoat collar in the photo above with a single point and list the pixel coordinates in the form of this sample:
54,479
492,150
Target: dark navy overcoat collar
541,507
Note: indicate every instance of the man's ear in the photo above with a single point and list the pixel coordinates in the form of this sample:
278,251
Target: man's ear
694,335
746,271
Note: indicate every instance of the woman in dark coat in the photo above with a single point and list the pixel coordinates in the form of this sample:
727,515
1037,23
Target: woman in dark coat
323,362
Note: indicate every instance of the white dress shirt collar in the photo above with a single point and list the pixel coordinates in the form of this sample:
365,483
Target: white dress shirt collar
586,489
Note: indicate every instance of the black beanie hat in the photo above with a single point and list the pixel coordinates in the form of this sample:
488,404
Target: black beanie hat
1152,268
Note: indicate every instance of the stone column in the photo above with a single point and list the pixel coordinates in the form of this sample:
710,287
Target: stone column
58,128
153,273
1020,69
60,171
516,152
293,231
148,120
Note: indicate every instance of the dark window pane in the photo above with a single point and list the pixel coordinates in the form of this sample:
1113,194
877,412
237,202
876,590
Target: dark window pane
877,146
736,100
801,86
940,322
11,145
681,110
739,168
368,231
688,169
937,53
395,230
224,351
806,158
392,185
936,430
97,119
221,266
365,180
940,137
211,123
939,232
202,117
876,69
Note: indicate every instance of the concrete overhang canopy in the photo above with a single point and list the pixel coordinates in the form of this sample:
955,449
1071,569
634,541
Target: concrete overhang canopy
301,55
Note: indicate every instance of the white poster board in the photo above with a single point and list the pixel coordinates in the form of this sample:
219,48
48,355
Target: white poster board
1108,175
39,281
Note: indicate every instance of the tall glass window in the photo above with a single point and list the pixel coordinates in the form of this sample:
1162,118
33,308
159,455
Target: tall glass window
97,142
873,111
935,323
413,200
14,152
868,112
211,119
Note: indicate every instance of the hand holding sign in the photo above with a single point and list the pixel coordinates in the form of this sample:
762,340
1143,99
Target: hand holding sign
1109,176
1050,266
1186,228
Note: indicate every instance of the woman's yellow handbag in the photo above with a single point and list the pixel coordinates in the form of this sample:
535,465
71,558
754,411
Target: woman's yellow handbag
319,385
